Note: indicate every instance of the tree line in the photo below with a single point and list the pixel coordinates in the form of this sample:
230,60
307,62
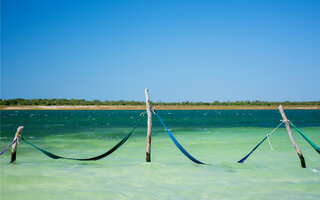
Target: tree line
52,102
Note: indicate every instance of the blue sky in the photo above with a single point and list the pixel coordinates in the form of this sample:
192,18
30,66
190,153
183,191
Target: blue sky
180,50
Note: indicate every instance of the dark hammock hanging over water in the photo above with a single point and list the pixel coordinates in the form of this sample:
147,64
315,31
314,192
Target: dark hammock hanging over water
177,143
114,148
316,147
268,135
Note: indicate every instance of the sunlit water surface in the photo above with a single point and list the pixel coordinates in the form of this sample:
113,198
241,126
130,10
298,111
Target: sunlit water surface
218,137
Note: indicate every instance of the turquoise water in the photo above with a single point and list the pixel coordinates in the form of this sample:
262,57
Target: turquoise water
218,137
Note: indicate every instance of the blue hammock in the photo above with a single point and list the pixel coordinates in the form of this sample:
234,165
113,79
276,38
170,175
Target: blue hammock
177,143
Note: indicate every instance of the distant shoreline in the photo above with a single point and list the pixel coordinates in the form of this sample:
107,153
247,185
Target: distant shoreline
68,107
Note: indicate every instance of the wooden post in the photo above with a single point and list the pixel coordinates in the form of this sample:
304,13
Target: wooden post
148,148
303,164
15,145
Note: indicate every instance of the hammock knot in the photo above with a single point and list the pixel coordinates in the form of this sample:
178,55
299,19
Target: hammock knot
143,114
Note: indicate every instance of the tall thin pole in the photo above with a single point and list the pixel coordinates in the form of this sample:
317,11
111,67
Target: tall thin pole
15,144
303,164
148,148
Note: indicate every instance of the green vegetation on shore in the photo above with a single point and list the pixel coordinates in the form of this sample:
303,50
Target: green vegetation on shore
74,102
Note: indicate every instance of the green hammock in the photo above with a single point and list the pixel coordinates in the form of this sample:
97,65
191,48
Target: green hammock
114,148
316,147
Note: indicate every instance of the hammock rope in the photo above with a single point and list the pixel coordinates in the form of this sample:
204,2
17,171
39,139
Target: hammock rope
177,143
267,136
114,148
316,147
8,146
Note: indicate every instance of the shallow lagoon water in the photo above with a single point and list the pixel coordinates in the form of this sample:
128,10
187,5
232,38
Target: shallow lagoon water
217,137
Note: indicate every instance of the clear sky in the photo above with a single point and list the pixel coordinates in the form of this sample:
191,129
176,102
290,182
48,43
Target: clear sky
181,50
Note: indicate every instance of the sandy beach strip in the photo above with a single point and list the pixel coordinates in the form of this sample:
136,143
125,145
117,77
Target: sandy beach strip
68,107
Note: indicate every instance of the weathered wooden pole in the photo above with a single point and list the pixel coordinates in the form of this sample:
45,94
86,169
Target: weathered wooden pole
148,148
15,144
303,164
